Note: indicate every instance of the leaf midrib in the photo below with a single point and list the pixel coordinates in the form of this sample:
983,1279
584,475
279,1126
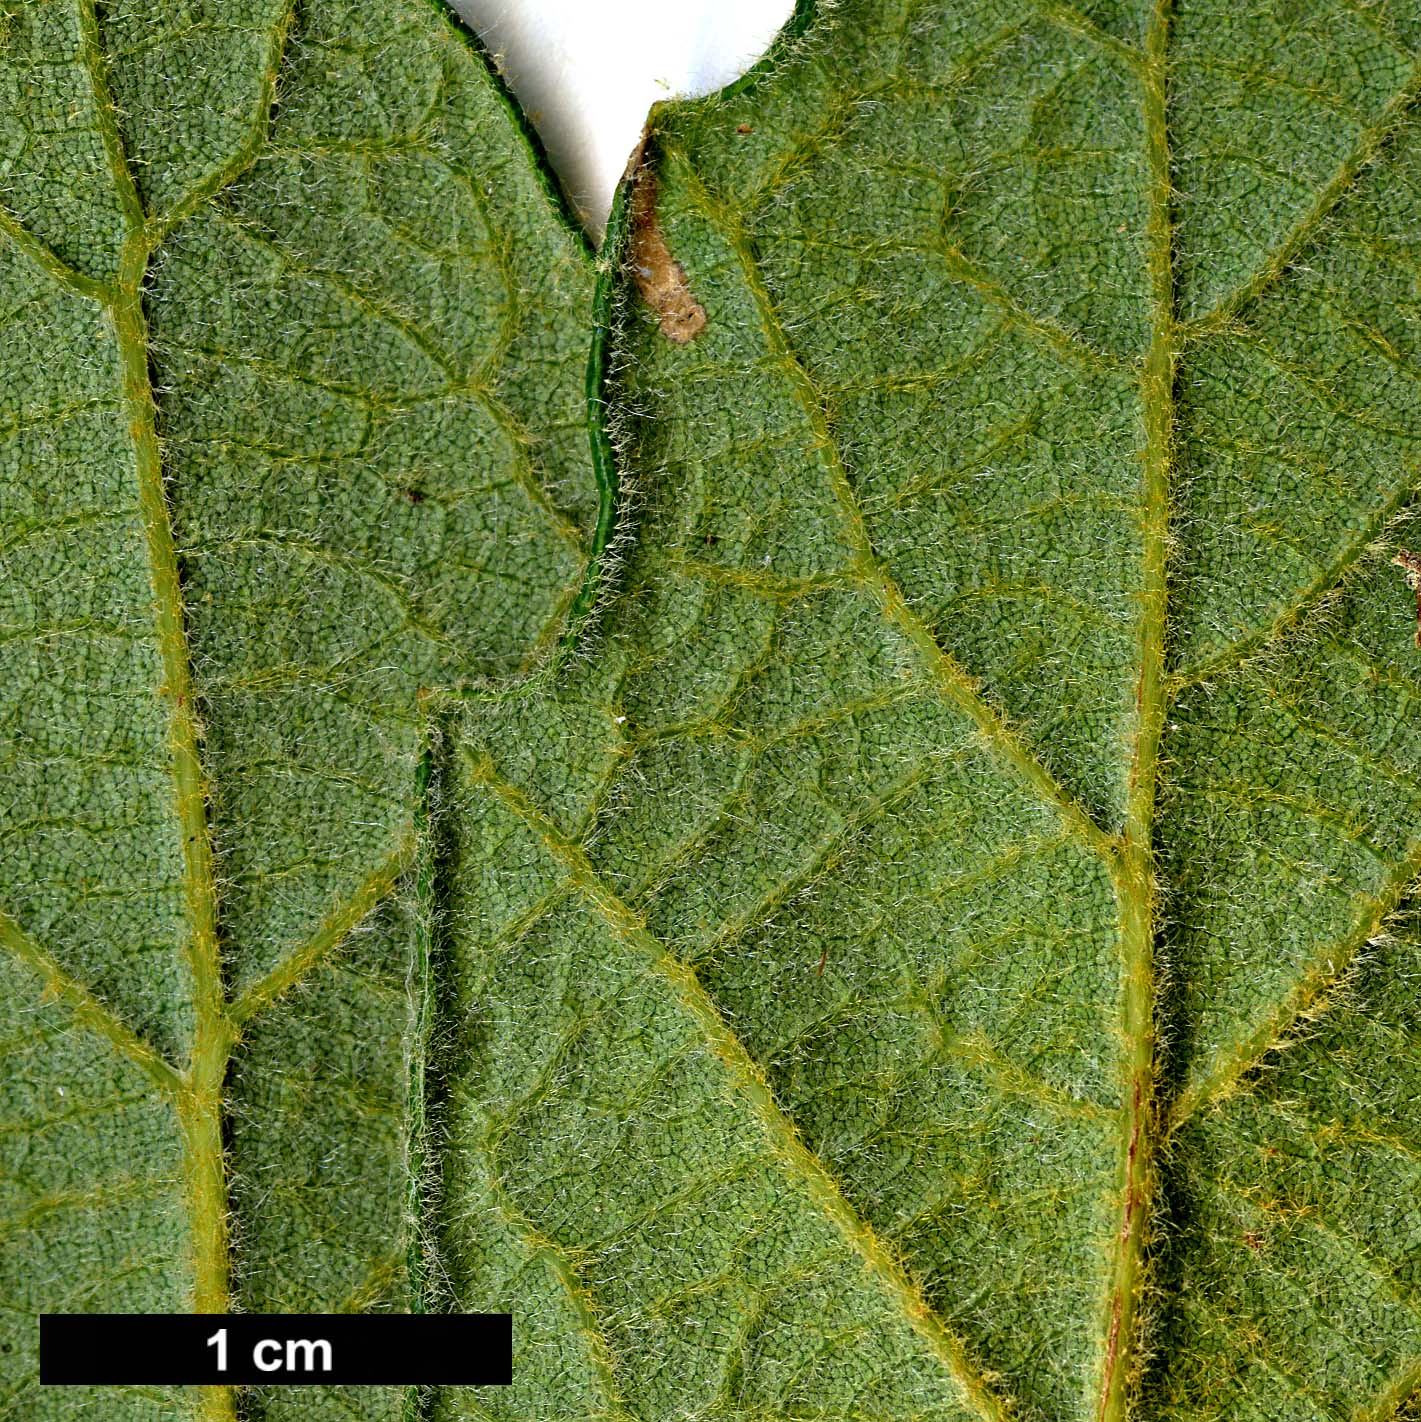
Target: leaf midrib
1132,855
199,1105
1135,882
196,1091
1129,856
124,302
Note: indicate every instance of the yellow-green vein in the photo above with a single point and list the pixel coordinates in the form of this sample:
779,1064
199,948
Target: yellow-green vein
1331,576
91,52
560,1269
333,930
1075,22
1403,1386
750,1085
50,262
1230,1064
954,681
88,1010
246,154
1368,144
1135,871
201,1108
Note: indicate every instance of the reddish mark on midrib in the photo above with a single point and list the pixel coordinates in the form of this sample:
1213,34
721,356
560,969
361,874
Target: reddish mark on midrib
1111,1348
1132,1201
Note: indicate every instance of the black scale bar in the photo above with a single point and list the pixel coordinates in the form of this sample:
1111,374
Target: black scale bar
394,1349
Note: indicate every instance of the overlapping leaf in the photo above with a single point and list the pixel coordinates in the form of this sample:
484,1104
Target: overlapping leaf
1003,747
292,425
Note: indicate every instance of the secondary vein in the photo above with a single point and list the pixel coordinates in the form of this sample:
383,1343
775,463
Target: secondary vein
88,1010
1368,144
1349,554
333,931
780,1132
50,262
91,52
561,1270
1230,1064
956,684
247,153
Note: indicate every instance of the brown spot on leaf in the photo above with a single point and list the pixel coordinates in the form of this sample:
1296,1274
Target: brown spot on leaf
659,276
1410,564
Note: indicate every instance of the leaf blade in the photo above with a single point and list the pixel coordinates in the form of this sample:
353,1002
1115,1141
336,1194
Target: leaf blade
233,355
667,790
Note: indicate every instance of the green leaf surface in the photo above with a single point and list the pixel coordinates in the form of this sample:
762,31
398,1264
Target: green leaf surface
945,944
292,427
949,951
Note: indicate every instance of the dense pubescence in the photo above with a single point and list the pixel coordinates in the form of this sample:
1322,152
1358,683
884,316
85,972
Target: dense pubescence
781,1056
908,444
310,243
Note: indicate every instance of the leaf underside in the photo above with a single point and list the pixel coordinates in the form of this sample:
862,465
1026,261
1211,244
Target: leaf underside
292,427
838,847
945,947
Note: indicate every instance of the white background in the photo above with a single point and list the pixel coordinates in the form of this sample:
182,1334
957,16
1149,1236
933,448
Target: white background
587,71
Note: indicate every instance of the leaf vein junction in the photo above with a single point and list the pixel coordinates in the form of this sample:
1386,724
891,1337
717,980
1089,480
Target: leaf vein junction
952,679
780,1132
